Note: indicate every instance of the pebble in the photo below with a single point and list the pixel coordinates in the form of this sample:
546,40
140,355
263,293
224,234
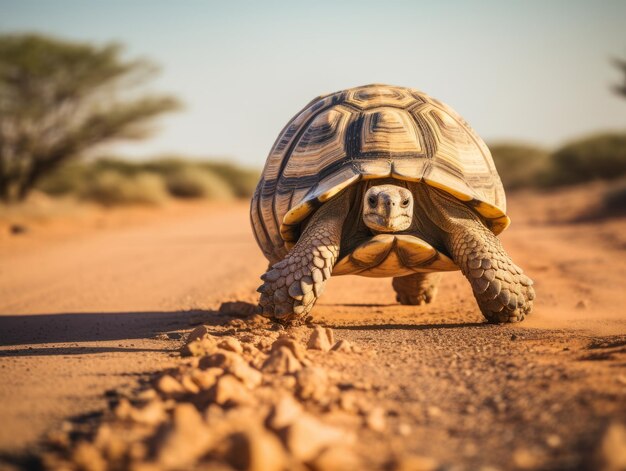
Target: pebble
312,383
336,458
416,463
284,412
554,441
205,379
256,449
152,413
281,361
375,420
307,437
234,364
169,386
611,454
229,390
321,339
292,344
199,347
582,304
87,457
230,344
185,440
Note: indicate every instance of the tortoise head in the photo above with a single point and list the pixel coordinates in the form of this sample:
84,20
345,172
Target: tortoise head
388,208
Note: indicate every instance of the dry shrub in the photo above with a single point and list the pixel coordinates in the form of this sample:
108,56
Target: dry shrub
520,165
192,182
111,188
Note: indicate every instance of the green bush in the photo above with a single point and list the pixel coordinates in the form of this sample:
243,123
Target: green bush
190,182
110,188
520,165
601,157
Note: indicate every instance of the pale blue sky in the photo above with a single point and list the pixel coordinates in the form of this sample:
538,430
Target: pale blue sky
528,71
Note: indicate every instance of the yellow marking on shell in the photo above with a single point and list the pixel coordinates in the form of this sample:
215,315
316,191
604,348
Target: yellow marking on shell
498,225
328,194
386,255
453,191
487,210
298,213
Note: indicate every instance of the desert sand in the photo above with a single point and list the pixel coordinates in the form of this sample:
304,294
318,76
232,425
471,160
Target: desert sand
95,312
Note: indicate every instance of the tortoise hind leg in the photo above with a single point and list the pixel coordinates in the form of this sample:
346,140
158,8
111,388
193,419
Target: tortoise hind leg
416,289
292,285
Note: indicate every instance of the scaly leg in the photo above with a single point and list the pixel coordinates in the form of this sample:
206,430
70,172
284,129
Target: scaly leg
503,292
416,289
292,285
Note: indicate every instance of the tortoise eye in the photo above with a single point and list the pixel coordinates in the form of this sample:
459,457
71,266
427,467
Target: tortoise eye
372,201
405,203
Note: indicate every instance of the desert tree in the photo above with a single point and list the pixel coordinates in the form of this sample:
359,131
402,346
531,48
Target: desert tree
59,99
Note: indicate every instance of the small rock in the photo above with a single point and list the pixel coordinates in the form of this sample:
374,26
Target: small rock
375,420
611,454
256,450
230,391
238,309
312,383
404,430
336,458
161,336
205,379
582,304
433,411
345,346
553,441
153,413
169,386
198,333
526,458
281,361
17,229
87,457
185,440
416,463
234,364
189,384
293,345
321,339
230,344
307,436
284,412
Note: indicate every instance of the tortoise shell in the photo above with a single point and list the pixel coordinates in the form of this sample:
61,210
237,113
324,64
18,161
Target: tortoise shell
370,132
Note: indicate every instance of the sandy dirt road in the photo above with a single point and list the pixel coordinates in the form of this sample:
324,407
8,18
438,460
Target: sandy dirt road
81,315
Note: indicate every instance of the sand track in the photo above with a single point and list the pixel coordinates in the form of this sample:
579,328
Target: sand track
82,314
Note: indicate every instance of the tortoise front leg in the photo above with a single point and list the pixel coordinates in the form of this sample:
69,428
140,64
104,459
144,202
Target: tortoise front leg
503,292
416,289
292,285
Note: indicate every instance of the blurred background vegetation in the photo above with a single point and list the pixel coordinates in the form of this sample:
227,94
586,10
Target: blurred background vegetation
61,101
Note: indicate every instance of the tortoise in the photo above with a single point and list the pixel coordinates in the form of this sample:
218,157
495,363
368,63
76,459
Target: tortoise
383,181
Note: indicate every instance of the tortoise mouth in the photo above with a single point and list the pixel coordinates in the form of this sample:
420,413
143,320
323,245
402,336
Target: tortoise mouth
378,223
